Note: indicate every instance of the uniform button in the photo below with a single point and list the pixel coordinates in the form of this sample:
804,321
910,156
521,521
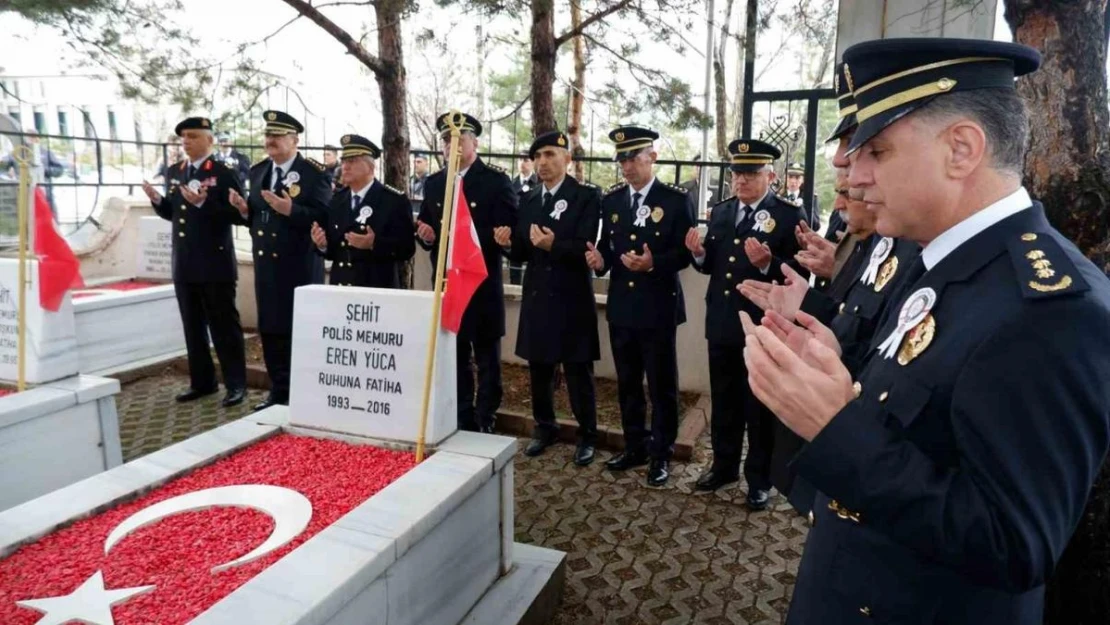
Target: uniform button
866,611
1028,236
273,234
275,254
857,388
812,519
632,237
856,309
259,252
726,292
841,309
221,248
728,276
259,233
183,207
631,284
656,233
883,396
181,234
182,220
736,241
732,259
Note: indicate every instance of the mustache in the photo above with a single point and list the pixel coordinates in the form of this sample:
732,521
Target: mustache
855,194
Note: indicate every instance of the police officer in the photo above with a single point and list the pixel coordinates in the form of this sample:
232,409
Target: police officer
558,315
795,178
644,224
237,161
288,193
492,205
369,229
953,471
750,237
204,269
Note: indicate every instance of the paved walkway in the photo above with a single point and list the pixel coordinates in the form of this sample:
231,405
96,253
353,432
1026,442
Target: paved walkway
636,555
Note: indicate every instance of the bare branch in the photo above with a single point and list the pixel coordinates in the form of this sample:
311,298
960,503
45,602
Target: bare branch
356,49
586,23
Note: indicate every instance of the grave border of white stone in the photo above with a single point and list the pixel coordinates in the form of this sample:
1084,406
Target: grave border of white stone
424,549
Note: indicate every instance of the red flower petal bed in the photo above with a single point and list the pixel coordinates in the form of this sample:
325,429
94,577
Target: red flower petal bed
126,285
178,553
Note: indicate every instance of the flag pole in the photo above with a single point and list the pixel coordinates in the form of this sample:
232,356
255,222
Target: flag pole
23,157
454,123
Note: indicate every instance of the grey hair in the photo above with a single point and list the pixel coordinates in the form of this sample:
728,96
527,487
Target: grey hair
1002,115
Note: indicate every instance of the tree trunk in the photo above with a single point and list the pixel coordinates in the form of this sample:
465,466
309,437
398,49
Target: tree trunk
543,66
1066,169
719,86
391,85
577,94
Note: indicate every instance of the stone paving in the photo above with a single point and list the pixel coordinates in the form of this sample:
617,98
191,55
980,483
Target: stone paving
636,555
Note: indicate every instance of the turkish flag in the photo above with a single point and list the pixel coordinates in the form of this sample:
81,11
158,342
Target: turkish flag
59,269
466,269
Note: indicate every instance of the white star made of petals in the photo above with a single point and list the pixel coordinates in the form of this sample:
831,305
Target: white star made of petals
90,603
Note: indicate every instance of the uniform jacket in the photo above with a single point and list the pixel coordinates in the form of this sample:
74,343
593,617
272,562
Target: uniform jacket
727,264
390,217
238,162
492,204
558,314
952,483
284,255
203,250
653,299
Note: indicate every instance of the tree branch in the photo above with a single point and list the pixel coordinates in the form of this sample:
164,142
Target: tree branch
356,49
586,23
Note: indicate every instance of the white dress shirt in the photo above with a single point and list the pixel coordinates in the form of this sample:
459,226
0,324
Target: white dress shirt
284,167
957,235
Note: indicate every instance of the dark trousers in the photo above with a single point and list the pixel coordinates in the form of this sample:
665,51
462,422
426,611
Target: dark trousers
277,352
580,388
651,351
516,274
480,413
734,407
209,307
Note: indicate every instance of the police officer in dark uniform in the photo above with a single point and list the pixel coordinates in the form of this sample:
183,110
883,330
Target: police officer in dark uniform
288,193
369,231
204,269
955,468
795,178
492,205
237,161
644,224
558,314
750,237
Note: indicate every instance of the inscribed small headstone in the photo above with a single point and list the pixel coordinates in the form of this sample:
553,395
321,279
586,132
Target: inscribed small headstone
155,249
359,359
51,336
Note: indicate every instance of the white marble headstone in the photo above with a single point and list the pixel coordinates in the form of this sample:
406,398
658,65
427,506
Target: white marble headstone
51,336
359,359
155,249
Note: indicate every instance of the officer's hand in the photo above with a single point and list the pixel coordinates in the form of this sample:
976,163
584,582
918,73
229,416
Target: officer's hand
361,241
425,232
237,201
593,258
805,394
787,299
282,204
318,236
759,254
638,262
759,293
819,256
800,232
195,198
796,336
542,237
154,196
694,244
503,235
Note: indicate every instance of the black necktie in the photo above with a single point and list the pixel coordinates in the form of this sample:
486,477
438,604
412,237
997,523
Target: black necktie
279,176
355,201
745,212
546,199
635,203
190,172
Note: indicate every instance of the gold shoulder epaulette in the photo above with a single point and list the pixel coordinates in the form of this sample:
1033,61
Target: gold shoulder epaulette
789,201
394,189
497,168
616,187
724,201
676,188
315,163
1043,267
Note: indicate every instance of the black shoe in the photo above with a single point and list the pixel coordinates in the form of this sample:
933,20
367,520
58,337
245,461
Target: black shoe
193,394
234,397
758,499
658,472
584,454
537,447
626,460
486,429
714,479
264,404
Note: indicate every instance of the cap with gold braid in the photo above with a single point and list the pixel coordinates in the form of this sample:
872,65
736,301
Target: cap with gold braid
751,155
795,169
280,123
894,77
554,138
469,124
356,145
845,104
630,140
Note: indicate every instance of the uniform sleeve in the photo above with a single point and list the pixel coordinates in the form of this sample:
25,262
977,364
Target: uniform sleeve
572,251
521,248
1030,418
787,252
312,204
676,257
428,216
219,202
398,239
821,306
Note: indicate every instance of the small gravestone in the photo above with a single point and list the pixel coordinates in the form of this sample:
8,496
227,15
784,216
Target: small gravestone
51,350
155,249
359,359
